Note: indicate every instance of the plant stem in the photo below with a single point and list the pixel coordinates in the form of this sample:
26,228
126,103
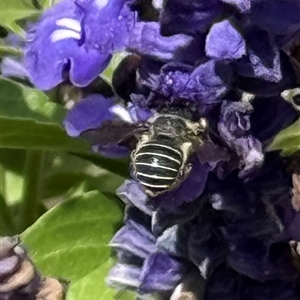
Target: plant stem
6,222
33,184
9,50
7,225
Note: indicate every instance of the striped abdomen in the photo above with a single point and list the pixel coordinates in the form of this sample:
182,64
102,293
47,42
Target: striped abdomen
156,165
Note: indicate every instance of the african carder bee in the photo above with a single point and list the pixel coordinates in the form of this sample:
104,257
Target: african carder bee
161,147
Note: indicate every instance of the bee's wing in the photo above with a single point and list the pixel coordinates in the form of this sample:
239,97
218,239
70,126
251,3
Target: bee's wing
113,132
209,151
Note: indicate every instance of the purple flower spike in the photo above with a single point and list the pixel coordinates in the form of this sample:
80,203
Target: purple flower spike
224,42
88,114
78,38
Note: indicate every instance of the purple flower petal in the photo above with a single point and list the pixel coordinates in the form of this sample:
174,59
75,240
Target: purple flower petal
145,39
225,42
130,240
67,40
153,277
139,112
165,217
88,114
123,276
270,116
244,6
174,240
130,192
234,127
10,67
251,257
206,247
204,85
192,17
279,17
140,222
266,88
263,60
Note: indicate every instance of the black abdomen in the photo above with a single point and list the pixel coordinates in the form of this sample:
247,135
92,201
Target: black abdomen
156,165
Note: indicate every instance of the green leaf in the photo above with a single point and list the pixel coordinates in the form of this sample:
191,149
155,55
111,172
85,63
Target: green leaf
116,166
29,120
48,3
93,286
288,140
70,241
14,10
125,295
64,171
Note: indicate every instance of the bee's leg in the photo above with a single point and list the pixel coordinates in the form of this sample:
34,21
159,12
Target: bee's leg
187,169
183,173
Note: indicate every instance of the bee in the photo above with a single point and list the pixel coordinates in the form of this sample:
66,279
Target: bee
161,147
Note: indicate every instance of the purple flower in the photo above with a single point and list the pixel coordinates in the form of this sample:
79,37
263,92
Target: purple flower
234,127
146,39
90,113
10,67
263,60
204,85
75,40
225,42
242,229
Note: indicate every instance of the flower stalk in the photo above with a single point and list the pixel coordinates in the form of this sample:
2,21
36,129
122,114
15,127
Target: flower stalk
32,189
